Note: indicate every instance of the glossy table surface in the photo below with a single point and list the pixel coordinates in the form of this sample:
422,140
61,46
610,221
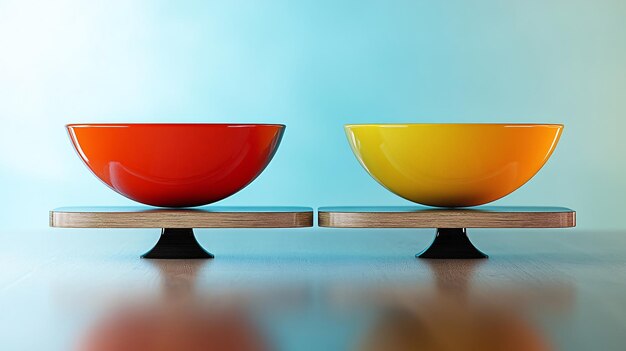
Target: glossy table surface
313,289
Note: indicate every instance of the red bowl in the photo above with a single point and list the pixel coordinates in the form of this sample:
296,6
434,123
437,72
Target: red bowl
176,165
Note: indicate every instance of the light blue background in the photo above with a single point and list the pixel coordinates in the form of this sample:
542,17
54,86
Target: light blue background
313,65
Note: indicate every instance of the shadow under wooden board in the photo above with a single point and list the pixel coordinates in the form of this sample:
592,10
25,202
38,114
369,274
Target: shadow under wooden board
451,239
177,238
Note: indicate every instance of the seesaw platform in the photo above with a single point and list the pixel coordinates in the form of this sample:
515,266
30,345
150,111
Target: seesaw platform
177,239
451,239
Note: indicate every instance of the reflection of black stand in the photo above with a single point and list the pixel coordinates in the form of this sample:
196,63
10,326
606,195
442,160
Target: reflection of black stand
453,277
179,279
177,243
451,243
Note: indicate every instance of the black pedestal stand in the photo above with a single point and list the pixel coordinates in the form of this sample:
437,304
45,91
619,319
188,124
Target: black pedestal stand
177,243
451,243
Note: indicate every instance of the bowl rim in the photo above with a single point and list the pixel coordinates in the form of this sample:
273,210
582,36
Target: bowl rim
166,124
558,125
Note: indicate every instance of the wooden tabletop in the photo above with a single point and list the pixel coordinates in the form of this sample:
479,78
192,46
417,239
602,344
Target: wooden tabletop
314,289
429,217
197,217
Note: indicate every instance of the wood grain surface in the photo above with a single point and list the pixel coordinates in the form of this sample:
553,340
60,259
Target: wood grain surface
321,288
209,217
423,217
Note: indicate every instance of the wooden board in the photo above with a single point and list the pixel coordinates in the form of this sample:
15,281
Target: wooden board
200,217
428,217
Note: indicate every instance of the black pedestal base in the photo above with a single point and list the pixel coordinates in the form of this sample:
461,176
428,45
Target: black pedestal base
177,243
451,243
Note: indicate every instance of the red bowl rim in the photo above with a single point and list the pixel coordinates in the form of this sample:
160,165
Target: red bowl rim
82,125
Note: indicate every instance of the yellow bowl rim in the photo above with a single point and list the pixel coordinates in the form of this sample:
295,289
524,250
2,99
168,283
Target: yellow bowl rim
559,125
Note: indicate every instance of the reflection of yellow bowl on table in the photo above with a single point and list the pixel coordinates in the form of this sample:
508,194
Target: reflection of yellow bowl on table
453,165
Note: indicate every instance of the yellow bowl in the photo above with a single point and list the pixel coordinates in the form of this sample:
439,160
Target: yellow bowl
453,165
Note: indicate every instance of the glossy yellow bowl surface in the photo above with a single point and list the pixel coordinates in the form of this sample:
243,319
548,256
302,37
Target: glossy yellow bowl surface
453,165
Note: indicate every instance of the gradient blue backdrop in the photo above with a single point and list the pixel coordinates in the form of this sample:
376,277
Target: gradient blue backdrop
313,65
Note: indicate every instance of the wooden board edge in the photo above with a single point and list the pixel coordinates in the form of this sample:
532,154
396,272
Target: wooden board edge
566,219
300,219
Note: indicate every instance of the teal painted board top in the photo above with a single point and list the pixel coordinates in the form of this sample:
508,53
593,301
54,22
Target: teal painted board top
499,209
219,209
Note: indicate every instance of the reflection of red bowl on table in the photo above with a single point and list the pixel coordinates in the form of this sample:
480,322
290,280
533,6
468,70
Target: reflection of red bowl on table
176,165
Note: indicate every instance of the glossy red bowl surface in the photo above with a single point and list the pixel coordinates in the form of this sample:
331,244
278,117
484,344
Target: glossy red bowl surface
176,165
